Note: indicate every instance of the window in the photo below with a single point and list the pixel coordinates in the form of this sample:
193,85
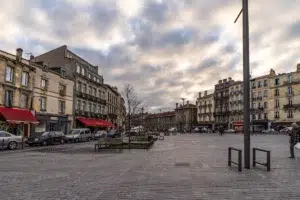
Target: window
63,73
95,92
9,76
79,105
24,100
44,84
254,95
61,106
290,114
79,85
254,105
83,88
78,68
276,103
265,83
9,98
90,75
253,84
99,109
277,92
277,114
277,81
90,107
95,78
259,94
43,103
259,105
99,93
266,93
290,90
265,104
94,108
82,71
62,90
290,78
259,116
290,101
83,106
90,90
259,84
253,116
25,76
265,115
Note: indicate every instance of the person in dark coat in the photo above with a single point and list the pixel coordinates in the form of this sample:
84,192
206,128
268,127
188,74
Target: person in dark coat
221,130
294,138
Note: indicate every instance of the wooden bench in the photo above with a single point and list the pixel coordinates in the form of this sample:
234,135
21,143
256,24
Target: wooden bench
109,143
139,138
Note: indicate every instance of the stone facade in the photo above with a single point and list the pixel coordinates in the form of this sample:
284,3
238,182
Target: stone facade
16,80
284,98
205,109
89,95
221,98
113,103
185,116
236,105
53,99
160,121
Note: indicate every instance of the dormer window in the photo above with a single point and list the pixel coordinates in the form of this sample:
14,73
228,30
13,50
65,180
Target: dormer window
63,73
45,68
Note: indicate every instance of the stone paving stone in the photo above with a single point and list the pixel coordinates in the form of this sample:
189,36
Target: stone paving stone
75,171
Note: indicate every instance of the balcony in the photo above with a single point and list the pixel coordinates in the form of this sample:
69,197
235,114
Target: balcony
290,116
291,82
259,98
112,115
102,101
291,106
276,117
276,95
289,94
210,105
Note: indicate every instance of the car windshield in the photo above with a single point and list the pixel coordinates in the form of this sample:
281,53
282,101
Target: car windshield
75,132
45,134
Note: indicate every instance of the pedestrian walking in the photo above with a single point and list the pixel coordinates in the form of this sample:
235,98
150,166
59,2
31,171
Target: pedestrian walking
221,130
294,138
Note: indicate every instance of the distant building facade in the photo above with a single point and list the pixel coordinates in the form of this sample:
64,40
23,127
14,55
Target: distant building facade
185,116
205,109
236,105
160,121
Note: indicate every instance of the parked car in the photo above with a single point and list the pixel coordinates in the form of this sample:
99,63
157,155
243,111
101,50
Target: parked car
229,131
286,130
9,140
114,134
48,137
79,135
99,134
172,129
268,131
131,133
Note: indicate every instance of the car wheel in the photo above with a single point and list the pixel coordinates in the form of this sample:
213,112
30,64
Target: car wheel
12,145
45,143
31,145
77,140
62,141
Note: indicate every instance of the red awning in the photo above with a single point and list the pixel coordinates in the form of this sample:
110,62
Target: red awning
109,124
93,122
17,116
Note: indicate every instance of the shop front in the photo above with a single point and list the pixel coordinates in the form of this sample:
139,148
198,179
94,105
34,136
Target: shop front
238,126
259,125
17,121
93,124
48,122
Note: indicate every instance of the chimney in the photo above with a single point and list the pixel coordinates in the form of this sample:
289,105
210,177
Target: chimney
19,54
187,103
220,81
205,93
31,57
224,80
229,79
298,67
176,105
199,94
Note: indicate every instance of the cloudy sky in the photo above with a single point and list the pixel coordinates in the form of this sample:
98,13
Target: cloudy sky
167,49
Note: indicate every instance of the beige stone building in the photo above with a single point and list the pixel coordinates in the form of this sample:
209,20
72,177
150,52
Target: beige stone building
284,98
113,103
16,89
205,109
53,98
160,121
185,116
259,86
236,105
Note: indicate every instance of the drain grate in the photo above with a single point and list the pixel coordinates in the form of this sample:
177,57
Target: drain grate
182,164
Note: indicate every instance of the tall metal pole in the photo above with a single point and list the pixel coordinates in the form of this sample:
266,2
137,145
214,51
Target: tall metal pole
246,85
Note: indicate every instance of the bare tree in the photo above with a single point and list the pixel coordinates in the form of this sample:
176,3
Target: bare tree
132,102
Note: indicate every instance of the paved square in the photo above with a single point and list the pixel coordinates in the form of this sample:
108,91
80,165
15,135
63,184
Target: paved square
179,167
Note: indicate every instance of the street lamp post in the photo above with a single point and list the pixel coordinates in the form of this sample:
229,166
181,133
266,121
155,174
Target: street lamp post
182,117
246,76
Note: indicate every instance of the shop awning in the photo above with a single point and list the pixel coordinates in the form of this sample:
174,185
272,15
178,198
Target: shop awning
94,122
17,116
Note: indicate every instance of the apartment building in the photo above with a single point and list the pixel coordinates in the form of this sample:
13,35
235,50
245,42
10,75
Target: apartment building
284,98
221,98
160,121
185,116
236,105
89,91
259,102
53,98
205,109
113,103
16,80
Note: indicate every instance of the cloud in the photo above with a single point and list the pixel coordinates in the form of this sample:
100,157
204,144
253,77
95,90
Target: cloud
167,49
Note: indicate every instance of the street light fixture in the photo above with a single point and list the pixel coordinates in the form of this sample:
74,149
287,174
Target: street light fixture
246,77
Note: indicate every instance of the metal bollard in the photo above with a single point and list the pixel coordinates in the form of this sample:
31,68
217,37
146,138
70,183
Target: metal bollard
2,144
22,143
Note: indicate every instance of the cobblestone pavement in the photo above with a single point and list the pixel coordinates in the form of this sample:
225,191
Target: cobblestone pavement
179,167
